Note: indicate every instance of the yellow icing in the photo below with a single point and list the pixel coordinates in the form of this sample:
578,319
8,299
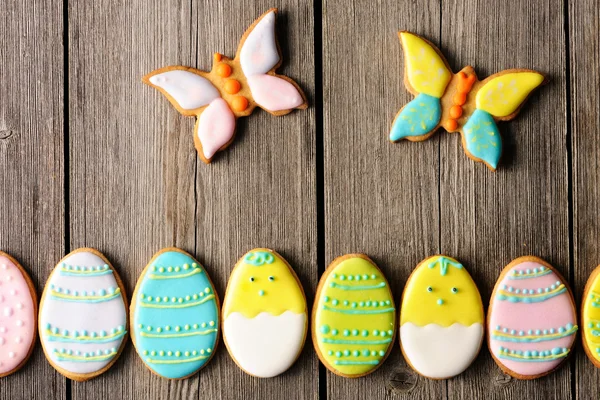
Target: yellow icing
591,315
342,307
281,294
425,68
501,96
420,306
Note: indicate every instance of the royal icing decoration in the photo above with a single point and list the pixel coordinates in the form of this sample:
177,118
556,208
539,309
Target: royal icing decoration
232,89
590,315
532,321
83,315
175,315
441,318
18,312
458,102
264,314
354,317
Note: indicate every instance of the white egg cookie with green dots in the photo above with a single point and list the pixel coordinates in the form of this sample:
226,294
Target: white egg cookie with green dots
265,318
441,318
354,317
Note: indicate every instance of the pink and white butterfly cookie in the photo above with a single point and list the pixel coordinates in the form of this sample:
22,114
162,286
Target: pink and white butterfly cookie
232,89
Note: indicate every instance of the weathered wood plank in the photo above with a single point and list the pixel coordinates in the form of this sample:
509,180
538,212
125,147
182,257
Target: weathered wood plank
32,162
380,198
584,38
261,192
137,184
489,218
132,159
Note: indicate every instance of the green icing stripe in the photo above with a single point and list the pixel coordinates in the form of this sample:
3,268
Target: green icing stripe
356,287
347,341
63,356
85,299
444,263
524,275
158,305
514,298
348,362
178,361
360,312
176,335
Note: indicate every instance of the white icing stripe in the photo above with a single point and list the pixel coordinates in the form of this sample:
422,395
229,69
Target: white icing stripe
266,345
259,52
440,352
188,89
80,317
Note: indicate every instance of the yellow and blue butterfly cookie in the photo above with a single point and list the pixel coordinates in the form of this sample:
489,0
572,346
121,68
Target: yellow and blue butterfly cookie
458,102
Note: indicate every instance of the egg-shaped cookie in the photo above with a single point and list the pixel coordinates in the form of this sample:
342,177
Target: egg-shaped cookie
590,317
354,317
175,315
441,318
265,317
18,314
83,315
532,321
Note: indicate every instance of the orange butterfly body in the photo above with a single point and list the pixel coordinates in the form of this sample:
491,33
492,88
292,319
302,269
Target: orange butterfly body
232,89
458,102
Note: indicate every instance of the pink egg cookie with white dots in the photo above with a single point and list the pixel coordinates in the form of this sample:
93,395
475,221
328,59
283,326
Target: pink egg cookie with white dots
18,310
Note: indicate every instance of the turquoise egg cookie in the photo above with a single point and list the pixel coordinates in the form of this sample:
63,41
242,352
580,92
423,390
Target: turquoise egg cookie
175,315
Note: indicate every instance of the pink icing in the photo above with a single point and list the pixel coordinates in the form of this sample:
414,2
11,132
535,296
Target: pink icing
273,93
17,319
552,313
216,125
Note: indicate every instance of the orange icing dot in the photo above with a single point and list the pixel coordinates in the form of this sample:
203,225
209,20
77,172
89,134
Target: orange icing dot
239,103
451,125
460,98
232,86
471,79
223,70
456,112
218,57
462,75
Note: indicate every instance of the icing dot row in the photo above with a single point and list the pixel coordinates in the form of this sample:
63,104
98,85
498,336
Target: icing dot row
531,291
18,323
99,268
354,304
529,271
551,331
166,299
55,330
325,329
465,83
18,340
102,292
356,353
176,328
85,354
176,353
356,277
177,268
526,353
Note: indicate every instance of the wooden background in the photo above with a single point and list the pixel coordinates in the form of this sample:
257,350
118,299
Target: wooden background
92,157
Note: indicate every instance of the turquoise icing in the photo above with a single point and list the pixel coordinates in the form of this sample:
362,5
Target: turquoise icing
526,299
417,118
176,342
348,362
482,138
258,258
443,262
349,341
379,311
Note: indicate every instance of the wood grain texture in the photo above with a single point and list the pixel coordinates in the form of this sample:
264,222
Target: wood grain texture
137,185
381,199
584,39
31,161
487,218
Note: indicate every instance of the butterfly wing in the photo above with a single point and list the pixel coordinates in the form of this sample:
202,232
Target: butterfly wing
259,57
426,73
185,88
481,139
503,94
214,129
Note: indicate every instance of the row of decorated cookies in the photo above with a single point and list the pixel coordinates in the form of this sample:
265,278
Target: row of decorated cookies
175,316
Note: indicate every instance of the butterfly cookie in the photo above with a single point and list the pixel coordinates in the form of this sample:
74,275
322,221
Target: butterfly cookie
232,89
458,102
